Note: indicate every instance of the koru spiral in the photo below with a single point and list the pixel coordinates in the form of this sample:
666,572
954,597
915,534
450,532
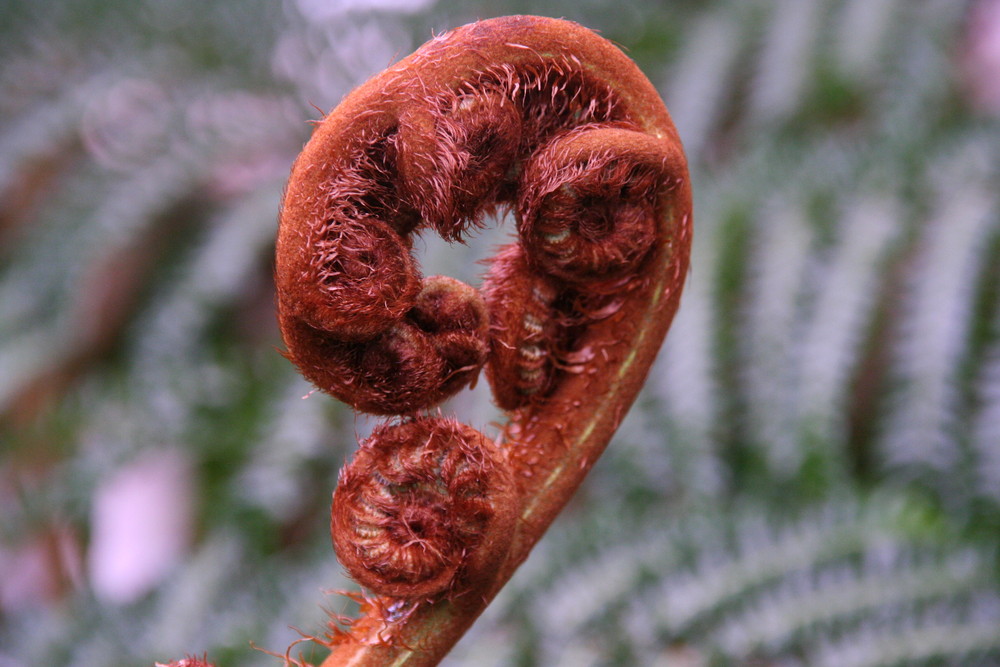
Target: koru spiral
534,116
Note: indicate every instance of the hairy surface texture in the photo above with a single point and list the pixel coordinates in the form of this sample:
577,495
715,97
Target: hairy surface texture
526,330
541,118
424,505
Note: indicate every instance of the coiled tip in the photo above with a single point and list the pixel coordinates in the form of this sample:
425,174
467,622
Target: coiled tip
425,503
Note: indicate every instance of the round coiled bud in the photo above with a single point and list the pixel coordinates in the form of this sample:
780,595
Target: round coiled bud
590,201
425,503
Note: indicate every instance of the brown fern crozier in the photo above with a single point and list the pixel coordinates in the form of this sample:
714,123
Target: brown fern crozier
539,117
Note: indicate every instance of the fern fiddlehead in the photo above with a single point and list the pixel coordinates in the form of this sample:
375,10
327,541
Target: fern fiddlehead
534,115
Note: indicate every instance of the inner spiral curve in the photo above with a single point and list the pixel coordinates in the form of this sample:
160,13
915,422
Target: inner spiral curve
417,504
